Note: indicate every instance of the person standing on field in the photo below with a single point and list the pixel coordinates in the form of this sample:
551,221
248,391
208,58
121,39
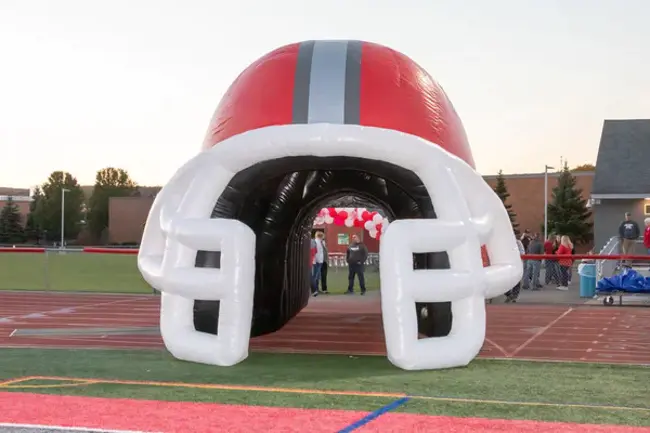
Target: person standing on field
324,268
629,233
356,256
565,249
317,257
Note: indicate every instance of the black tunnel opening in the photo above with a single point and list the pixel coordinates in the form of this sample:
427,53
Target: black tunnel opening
278,200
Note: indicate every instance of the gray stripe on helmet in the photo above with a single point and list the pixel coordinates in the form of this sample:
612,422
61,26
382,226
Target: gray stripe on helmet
327,82
353,83
300,109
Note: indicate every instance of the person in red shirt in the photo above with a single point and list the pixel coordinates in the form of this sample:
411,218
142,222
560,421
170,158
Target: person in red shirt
565,249
646,235
551,267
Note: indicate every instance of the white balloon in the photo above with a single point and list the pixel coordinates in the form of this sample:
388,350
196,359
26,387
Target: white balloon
323,212
373,233
369,225
377,219
349,222
329,219
319,220
360,212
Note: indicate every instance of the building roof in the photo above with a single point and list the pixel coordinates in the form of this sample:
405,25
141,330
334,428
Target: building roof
14,191
623,164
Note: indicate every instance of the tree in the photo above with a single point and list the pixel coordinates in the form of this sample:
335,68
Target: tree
502,191
568,213
47,206
11,228
32,229
109,182
584,167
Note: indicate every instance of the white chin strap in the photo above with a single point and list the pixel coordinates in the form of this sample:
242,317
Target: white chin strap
469,214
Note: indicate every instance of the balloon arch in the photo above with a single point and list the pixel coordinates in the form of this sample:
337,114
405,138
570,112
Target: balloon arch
372,221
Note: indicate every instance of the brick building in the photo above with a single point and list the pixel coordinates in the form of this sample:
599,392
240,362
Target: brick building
338,238
18,196
527,194
127,215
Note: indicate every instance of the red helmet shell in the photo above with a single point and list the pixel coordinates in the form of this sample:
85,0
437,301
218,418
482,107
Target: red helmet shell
348,82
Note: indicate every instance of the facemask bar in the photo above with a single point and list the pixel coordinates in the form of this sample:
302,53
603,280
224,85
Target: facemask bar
180,221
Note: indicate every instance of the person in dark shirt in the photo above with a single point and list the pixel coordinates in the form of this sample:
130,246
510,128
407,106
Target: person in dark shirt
525,239
628,233
356,256
533,267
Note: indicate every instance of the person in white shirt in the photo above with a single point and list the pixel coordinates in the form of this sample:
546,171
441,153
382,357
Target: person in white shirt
318,251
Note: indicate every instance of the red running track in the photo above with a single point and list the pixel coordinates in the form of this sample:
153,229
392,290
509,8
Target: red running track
341,324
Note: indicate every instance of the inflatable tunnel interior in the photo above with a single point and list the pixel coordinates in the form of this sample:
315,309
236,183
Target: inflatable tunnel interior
278,200
227,239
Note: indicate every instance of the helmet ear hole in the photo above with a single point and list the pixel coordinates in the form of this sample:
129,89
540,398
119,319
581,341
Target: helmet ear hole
434,318
206,316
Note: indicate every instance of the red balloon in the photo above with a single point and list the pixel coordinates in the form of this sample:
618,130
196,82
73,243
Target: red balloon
339,221
332,212
366,215
358,223
343,214
378,236
378,227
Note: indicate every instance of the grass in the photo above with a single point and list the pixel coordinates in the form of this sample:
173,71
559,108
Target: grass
102,273
71,271
506,381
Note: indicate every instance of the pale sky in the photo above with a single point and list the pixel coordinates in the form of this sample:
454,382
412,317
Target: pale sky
86,84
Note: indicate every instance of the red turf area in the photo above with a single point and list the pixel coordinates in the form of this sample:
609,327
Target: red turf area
350,325
168,417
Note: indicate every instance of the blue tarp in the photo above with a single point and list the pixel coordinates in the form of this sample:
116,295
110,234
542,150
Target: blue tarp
629,281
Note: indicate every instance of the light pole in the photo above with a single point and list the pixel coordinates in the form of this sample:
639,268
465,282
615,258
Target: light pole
63,191
546,169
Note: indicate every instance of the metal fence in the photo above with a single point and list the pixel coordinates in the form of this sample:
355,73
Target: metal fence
607,267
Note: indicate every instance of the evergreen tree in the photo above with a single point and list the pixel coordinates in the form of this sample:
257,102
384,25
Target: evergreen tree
502,191
32,229
567,212
11,227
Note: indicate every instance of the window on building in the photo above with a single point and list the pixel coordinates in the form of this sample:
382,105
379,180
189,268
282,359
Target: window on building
646,208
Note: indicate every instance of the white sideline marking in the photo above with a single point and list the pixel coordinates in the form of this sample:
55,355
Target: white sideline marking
78,307
62,428
540,332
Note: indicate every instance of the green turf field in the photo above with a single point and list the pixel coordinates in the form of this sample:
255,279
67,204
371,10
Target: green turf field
102,273
493,389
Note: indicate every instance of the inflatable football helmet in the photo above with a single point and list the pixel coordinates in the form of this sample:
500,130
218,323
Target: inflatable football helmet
226,241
